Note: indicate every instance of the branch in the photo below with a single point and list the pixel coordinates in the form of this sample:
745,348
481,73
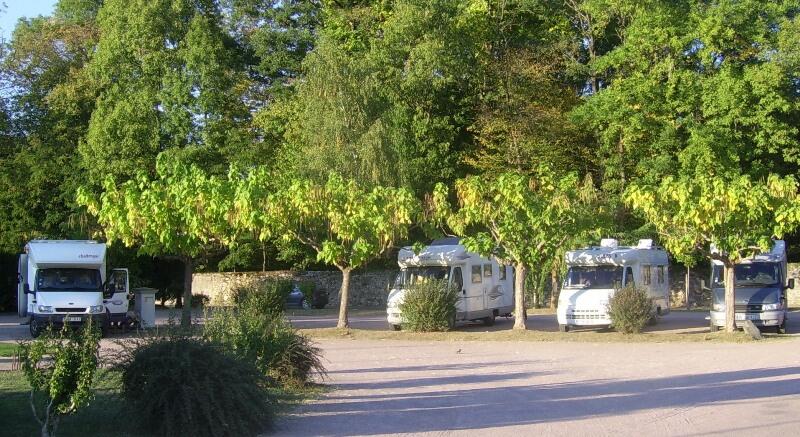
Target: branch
33,408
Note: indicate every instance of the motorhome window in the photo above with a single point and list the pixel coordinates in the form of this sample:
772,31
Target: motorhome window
629,279
660,271
476,275
416,275
758,274
594,276
68,280
646,275
487,270
503,273
458,279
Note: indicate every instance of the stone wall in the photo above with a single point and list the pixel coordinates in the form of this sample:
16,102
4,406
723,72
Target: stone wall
367,289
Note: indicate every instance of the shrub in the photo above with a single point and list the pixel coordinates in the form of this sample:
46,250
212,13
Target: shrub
270,296
60,368
255,333
630,309
177,386
429,306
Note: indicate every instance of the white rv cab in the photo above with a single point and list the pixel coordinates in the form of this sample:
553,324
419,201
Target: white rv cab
65,281
485,285
595,273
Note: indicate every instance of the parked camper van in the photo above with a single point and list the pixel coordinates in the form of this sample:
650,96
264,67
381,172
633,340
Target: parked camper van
486,286
65,281
594,273
759,289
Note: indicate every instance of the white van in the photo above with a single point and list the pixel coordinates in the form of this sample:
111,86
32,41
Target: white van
596,272
486,286
64,281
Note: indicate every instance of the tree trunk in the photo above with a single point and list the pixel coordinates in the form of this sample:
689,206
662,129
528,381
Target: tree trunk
730,298
554,290
263,257
519,297
344,294
186,311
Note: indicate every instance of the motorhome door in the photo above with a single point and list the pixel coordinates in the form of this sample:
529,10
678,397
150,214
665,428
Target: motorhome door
119,285
457,281
22,279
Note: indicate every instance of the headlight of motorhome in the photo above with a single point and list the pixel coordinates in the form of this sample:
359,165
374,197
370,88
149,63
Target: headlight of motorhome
45,309
718,307
94,309
771,307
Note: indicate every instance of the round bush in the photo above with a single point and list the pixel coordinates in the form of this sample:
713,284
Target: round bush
630,309
269,295
429,306
185,386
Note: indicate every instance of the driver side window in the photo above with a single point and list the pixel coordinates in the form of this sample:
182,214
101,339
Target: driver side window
629,281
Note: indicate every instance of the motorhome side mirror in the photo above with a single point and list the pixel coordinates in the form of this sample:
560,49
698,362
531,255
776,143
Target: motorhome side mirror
108,291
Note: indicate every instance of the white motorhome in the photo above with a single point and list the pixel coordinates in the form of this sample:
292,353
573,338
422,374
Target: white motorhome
760,284
64,281
596,272
485,285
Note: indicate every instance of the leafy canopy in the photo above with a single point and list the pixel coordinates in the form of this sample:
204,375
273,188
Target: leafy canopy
735,213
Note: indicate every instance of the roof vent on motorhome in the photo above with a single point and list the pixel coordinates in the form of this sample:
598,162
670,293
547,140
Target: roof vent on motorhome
645,244
609,242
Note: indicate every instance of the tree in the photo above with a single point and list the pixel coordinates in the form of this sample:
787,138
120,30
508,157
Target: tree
183,212
519,219
734,213
346,224
62,368
167,77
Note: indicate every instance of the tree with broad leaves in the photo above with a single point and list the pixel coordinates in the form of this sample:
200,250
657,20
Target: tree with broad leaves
734,213
346,224
179,214
520,219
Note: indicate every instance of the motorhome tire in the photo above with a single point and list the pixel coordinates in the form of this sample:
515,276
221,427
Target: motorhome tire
488,321
714,328
563,328
397,327
304,304
35,327
781,329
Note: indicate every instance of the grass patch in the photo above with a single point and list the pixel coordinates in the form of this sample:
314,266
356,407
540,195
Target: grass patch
537,336
105,415
353,312
8,349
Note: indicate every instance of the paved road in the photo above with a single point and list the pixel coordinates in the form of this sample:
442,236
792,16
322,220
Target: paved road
569,389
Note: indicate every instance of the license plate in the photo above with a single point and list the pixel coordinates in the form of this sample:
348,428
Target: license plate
72,319
740,316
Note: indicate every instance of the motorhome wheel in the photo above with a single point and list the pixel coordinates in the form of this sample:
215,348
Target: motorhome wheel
397,327
488,321
563,328
714,328
35,328
781,329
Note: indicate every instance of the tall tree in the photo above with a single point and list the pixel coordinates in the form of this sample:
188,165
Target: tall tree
731,211
519,219
168,78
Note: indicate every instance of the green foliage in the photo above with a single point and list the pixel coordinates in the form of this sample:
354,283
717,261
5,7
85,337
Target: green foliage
185,386
429,306
60,368
732,212
265,297
630,309
254,332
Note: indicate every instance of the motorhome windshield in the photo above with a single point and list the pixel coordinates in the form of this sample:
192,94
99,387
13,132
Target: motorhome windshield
757,274
422,274
594,277
68,280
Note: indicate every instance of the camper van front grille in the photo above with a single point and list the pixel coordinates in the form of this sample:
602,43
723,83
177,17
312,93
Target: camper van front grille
587,315
71,310
747,308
